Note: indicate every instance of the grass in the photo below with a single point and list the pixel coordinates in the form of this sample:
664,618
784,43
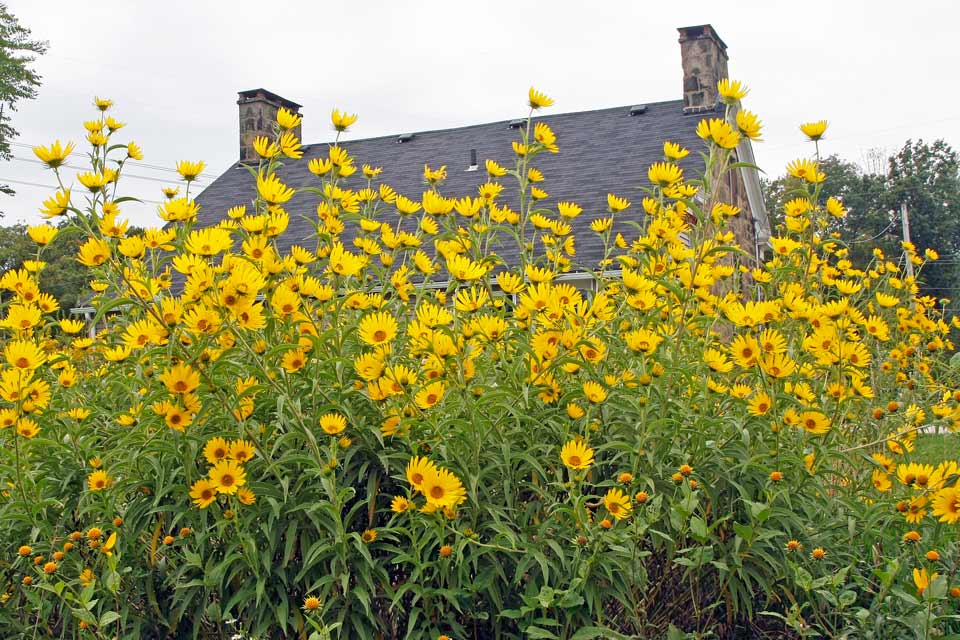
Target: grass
933,447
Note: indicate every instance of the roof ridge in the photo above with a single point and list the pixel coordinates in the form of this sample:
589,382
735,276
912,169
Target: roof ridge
491,122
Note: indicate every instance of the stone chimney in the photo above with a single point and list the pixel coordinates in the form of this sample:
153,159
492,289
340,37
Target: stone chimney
258,117
703,56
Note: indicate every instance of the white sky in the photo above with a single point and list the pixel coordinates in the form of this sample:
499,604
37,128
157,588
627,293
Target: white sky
880,71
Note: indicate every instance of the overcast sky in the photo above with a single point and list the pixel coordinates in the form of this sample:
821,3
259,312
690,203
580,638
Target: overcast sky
881,72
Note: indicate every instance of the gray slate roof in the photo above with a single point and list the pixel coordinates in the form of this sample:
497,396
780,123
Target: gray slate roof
602,151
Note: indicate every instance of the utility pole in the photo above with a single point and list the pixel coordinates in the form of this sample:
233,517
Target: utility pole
905,219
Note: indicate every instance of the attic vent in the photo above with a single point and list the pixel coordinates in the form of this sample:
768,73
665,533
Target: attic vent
405,137
516,124
638,109
473,166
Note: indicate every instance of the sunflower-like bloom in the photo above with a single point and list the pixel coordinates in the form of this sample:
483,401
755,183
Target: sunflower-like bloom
673,151
266,148
93,253
56,205
922,579
594,392
416,470
54,155
617,503
24,355
93,181
203,493
576,455
731,91
616,203
287,119
538,100
378,328
664,174
814,130
190,170
814,422
272,190
99,480
241,451
180,379
807,170
333,423
430,395
227,476
946,505
719,132
748,124
463,268
442,488
216,450
341,121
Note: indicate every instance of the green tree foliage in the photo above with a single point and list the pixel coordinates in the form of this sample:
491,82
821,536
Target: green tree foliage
18,81
63,278
922,175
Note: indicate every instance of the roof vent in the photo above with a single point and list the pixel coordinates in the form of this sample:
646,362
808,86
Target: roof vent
517,123
638,109
405,137
473,161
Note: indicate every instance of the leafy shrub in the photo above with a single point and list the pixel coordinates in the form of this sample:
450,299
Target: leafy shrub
405,437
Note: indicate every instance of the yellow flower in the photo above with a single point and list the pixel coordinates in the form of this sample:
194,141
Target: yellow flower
333,423
294,360
946,505
731,91
463,268
576,455
265,148
227,476
664,174
203,493
92,181
922,579
99,480
378,328
538,100
93,253
430,395
24,355
56,205
594,392
342,120
616,203
617,503
814,422
287,119
416,470
441,488
271,190
180,379
748,124
27,428
719,132
216,450
241,451
246,496
54,155
190,170
134,152
759,404
807,170
814,130
674,151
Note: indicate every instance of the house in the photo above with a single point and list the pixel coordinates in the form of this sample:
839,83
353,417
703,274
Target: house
602,151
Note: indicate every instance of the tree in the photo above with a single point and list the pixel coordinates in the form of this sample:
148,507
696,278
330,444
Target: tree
62,277
18,81
925,177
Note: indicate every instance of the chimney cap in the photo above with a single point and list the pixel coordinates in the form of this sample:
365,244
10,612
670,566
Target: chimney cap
252,94
698,31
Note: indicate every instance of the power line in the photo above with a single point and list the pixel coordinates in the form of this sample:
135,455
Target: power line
125,175
134,163
52,186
